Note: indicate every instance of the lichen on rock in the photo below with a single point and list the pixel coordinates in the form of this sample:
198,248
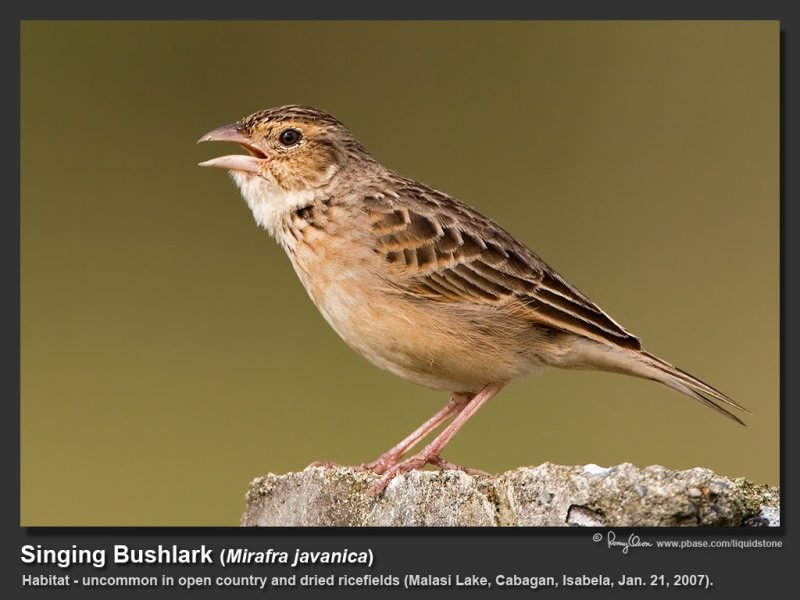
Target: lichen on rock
547,495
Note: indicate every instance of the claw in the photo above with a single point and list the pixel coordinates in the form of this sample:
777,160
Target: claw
412,464
380,466
448,466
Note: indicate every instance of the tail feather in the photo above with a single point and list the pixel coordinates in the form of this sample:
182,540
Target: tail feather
585,354
582,353
687,384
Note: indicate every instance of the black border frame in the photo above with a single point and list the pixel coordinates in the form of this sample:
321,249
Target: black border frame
399,551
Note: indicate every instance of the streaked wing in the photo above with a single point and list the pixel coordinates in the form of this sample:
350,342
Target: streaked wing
448,252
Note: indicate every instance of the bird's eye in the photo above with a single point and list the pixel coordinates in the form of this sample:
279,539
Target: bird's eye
290,137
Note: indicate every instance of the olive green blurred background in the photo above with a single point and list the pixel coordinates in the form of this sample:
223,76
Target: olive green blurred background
169,354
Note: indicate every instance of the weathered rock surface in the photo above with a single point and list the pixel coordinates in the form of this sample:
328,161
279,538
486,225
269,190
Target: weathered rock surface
547,495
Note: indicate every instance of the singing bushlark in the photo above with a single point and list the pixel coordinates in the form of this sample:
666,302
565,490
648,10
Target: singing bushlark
419,283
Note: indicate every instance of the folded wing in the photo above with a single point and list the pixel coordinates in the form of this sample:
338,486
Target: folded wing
448,252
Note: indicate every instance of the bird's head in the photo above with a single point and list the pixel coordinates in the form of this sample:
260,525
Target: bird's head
292,149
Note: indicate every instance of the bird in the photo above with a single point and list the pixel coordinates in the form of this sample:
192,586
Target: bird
418,282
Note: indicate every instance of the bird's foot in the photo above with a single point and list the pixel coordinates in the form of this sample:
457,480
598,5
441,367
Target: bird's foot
411,464
382,464
427,456
448,466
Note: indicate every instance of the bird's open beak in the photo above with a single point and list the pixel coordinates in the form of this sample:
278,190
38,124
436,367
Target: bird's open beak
234,162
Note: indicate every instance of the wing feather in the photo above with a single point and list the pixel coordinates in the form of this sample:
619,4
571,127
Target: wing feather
448,252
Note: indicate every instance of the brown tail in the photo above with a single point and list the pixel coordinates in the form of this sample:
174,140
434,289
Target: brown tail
589,354
658,370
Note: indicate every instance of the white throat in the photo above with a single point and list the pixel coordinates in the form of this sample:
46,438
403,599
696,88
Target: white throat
270,204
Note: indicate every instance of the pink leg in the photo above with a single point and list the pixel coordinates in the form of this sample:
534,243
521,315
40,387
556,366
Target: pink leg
430,454
390,458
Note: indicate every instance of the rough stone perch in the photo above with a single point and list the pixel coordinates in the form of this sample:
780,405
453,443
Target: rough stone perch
547,495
